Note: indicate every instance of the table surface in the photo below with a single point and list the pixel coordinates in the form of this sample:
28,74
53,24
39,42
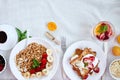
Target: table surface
74,18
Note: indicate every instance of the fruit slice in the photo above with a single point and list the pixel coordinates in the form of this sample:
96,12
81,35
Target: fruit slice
49,51
109,30
52,26
96,31
116,51
118,39
45,71
50,59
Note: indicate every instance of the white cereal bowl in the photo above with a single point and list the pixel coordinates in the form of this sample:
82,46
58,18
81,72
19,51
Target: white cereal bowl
12,37
116,78
5,64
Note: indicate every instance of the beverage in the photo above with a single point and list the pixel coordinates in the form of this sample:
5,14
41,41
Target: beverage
3,37
103,31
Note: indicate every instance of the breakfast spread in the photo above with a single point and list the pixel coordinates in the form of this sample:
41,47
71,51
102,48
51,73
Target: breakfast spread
85,62
103,31
34,61
115,68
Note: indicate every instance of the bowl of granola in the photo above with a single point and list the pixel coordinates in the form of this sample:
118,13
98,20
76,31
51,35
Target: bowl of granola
114,69
36,60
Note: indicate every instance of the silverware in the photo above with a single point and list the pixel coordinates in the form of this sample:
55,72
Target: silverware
105,49
63,47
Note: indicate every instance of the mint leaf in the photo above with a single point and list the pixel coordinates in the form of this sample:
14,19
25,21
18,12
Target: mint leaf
103,29
35,63
21,35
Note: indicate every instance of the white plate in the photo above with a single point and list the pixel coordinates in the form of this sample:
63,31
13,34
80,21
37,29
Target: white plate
83,44
19,47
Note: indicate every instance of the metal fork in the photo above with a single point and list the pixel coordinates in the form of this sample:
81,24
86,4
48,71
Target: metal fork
63,47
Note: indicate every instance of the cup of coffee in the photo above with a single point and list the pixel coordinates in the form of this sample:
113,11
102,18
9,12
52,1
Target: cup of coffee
8,37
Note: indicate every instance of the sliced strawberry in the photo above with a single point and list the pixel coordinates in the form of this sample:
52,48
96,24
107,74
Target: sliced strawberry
87,60
92,58
90,66
44,55
44,61
1,67
109,30
32,71
102,36
84,77
96,70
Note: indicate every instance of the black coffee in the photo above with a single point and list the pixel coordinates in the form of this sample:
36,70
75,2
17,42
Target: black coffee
3,37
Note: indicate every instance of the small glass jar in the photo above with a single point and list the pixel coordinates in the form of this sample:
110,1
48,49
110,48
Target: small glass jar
103,31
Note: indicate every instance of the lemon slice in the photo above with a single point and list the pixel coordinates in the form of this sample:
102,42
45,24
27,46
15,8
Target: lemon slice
52,26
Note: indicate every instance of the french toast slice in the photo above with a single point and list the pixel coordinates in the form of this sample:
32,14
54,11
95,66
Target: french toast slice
79,54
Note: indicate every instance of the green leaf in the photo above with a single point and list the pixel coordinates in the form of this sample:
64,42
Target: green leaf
103,29
19,33
25,32
35,63
23,37
85,64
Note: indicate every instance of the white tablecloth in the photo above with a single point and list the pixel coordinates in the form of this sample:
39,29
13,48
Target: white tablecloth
74,18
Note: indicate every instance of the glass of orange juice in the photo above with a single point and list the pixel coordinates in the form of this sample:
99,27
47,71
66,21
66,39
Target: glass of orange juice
103,31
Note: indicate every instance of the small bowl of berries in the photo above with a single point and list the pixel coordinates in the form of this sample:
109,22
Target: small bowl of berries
103,31
2,63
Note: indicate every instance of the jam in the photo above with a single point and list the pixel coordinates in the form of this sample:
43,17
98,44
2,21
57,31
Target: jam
2,63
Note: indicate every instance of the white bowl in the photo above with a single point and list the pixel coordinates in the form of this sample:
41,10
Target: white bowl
5,64
12,37
116,78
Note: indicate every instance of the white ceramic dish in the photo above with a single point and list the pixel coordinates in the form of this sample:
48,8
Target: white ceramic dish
21,45
110,70
5,64
12,37
83,44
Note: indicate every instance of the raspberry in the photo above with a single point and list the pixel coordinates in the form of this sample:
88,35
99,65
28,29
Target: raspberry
32,71
38,69
44,61
44,55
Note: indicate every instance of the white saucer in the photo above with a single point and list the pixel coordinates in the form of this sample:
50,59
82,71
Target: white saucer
12,37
